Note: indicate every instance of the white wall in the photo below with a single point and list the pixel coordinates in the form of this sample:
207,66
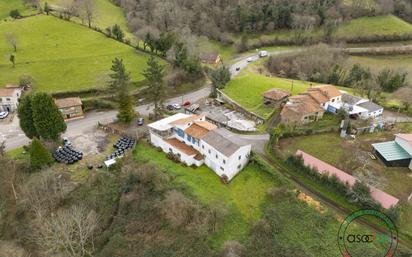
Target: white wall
223,164
13,100
404,144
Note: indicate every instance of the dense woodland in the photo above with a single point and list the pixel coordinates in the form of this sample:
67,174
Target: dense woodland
216,19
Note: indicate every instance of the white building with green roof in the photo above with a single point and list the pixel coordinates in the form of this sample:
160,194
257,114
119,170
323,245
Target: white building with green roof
397,153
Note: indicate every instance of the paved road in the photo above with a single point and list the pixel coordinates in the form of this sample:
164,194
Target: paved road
14,137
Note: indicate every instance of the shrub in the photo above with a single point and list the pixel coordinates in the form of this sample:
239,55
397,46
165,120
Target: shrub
15,14
39,155
97,104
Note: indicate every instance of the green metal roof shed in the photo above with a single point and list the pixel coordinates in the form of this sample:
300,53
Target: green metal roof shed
391,151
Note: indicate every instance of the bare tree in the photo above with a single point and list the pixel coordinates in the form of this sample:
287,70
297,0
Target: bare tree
12,40
69,8
404,95
302,24
71,230
87,11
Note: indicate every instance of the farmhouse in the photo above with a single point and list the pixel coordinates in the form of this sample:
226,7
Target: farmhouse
194,141
9,98
301,109
397,153
384,199
210,58
328,96
275,97
71,107
357,106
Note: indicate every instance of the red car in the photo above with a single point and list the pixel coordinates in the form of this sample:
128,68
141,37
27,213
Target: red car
186,104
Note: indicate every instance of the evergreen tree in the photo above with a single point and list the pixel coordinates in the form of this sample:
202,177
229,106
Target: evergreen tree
126,112
219,77
47,118
120,81
39,156
117,32
156,91
25,114
120,77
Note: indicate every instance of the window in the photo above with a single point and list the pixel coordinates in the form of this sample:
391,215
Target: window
222,168
224,161
240,157
239,166
203,146
209,151
181,133
193,140
189,138
217,157
1,99
7,99
333,100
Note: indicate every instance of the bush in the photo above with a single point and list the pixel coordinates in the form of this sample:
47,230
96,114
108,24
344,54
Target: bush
15,14
97,104
39,155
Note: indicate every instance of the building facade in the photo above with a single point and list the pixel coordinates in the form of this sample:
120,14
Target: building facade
9,98
194,141
397,153
71,108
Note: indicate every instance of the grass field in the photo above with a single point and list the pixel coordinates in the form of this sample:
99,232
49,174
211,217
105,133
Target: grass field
301,222
62,56
203,183
361,27
106,15
8,5
248,87
352,157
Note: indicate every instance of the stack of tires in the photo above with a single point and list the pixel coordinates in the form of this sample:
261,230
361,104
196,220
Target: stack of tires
67,154
122,145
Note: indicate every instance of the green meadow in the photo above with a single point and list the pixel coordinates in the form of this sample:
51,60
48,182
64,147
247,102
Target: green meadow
63,56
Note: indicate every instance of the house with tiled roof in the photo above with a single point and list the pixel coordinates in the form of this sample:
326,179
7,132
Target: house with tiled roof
396,153
275,97
71,107
9,98
195,141
328,96
301,109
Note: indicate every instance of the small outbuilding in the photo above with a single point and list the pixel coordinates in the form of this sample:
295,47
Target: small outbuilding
275,97
70,107
397,153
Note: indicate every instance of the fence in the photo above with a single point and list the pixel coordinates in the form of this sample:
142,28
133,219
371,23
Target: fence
237,107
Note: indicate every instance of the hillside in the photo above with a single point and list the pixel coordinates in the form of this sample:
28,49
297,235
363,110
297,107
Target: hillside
62,56
7,5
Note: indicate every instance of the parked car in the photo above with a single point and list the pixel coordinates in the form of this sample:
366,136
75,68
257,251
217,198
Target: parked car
263,54
186,104
3,115
176,106
250,59
140,122
170,107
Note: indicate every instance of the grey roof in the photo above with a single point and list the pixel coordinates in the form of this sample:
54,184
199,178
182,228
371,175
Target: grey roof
370,106
350,99
391,151
220,143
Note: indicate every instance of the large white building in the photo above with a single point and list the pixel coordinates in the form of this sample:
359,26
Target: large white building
361,107
9,98
196,141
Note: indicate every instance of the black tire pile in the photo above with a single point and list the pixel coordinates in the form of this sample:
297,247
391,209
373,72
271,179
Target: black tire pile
122,145
67,154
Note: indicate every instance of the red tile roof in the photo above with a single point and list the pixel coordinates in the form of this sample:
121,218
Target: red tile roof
183,121
385,199
196,131
7,92
68,102
207,125
328,90
182,146
276,94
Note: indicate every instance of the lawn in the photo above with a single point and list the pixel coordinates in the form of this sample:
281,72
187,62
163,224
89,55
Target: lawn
106,15
8,5
247,89
63,56
243,206
351,156
360,27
